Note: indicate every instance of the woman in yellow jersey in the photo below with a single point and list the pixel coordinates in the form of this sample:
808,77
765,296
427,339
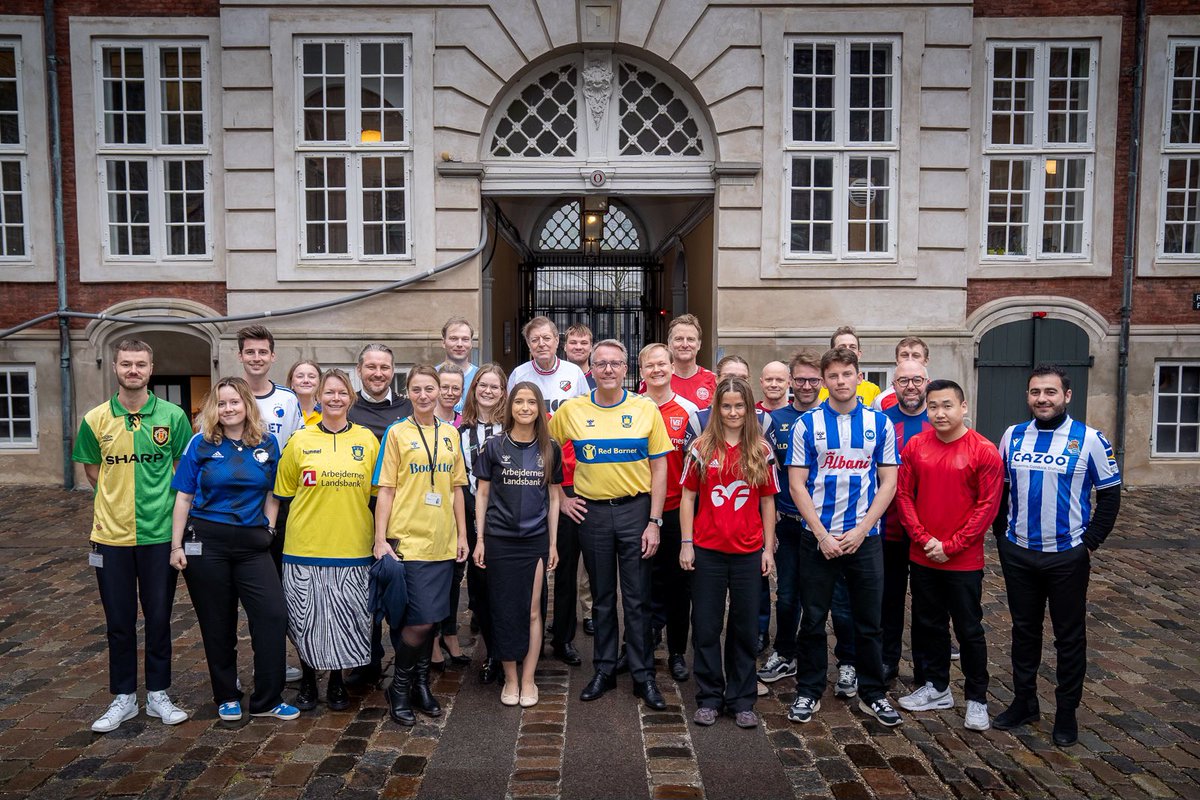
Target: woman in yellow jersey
420,476
326,468
303,379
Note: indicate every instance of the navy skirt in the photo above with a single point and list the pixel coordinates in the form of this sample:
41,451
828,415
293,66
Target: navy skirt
428,591
511,567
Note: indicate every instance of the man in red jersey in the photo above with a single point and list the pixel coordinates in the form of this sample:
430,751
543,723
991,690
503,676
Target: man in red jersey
670,592
948,494
691,380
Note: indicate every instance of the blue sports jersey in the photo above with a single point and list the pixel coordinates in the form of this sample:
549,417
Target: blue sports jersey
230,480
1051,474
783,420
907,426
843,453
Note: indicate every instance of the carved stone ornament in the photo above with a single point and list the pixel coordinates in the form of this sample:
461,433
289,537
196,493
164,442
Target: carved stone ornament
597,86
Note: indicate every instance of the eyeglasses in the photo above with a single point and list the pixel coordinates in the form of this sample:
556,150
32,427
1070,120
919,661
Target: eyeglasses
917,382
601,366
542,339
806,381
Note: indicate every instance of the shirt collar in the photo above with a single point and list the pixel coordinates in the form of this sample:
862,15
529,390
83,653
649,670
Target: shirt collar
119,410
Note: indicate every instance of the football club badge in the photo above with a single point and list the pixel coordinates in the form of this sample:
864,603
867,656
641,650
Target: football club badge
161,434
627,420
357,452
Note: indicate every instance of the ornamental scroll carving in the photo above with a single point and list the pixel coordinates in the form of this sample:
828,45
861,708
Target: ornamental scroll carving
597,86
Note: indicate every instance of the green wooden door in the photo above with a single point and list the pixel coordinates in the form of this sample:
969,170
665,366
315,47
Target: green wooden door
1008,354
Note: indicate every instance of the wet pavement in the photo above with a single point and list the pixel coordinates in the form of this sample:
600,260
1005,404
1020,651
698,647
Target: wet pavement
1139,724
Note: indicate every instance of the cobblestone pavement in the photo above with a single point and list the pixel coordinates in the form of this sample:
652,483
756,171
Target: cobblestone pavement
1140,735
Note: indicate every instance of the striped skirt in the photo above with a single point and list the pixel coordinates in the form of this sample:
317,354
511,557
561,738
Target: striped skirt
328,620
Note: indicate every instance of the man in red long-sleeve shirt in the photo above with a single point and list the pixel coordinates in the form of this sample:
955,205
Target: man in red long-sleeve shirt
948,493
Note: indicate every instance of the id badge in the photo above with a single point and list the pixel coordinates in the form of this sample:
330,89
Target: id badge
433,499
96,559
193,548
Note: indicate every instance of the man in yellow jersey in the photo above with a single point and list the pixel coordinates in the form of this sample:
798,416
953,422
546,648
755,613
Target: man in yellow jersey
847,337
620,441
129,446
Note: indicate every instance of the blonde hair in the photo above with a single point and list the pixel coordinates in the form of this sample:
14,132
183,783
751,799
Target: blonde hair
337,374
751,450
254,430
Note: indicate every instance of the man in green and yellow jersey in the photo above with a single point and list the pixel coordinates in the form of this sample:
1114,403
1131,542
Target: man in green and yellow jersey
129,446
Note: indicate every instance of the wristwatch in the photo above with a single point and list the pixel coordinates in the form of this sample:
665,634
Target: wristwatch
657,521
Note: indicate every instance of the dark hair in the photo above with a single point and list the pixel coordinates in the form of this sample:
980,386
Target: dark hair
808,358
541,426
912,341
838,355
428,370
132,346
1043,369
942,385
842,331
254,332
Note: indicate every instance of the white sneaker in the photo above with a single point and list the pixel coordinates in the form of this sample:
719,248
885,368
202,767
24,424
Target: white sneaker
977,716
159,705
292,674
847,682
123,707
927,698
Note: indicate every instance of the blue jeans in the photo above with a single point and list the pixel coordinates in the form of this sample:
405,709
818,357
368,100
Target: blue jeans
789,531
863,574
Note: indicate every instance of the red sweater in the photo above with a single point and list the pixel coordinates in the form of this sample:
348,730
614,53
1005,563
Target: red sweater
949,492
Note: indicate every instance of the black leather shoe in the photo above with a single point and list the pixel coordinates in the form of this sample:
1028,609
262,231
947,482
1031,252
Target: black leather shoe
678,666
1021,712
1066,728
306,698
651,696
622,662
364,676
567,654
490,671
336,696
600,683
589,627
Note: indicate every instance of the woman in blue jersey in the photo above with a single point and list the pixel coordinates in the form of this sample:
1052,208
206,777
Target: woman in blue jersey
518,476
326,469
221,536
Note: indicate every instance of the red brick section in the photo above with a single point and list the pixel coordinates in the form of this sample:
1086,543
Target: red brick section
1156,301
25,300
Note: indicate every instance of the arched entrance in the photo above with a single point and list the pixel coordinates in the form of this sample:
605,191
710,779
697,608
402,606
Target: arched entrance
1009,352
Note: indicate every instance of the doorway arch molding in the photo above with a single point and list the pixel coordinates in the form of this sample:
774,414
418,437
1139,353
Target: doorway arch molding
999,312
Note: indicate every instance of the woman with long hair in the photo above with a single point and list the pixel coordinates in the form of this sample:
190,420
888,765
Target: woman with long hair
729,542
482,418
221,535
518,478
420,506
303,379
326,468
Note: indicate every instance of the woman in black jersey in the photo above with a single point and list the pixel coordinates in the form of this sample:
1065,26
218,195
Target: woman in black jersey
518,477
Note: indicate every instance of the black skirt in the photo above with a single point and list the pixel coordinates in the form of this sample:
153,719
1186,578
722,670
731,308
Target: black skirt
511,567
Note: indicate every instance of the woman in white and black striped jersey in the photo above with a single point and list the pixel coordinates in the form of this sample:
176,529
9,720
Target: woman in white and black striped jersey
482,418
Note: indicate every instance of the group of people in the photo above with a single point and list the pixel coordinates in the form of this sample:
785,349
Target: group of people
327,509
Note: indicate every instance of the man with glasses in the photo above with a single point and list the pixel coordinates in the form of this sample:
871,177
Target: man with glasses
909,417
620,442
910,348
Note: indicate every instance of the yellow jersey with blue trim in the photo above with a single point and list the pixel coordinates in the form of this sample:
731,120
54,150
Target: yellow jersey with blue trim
328,477
613,444
421,461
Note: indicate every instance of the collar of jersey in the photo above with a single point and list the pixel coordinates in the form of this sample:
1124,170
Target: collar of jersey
540,371
119,410
274,387
624,397
858,408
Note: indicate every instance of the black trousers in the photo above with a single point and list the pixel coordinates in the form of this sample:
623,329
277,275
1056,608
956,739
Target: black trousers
139,573
566,581
863,571
670,587
449,626
236,564
611,541
895,594
281,519
940,596
1034,580
725,679
477,585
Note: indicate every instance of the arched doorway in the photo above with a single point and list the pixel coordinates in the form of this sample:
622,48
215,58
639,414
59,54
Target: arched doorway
1009,352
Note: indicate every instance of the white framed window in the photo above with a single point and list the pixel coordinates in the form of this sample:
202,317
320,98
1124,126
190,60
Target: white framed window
14,163
18,406
1179,199
354,148
842,148
153,150
879,374
1177,410
1039,146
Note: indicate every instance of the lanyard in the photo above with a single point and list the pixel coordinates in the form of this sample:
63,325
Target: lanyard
433,455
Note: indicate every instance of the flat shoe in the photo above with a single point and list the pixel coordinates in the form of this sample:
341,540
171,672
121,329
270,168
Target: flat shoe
529,699
510,699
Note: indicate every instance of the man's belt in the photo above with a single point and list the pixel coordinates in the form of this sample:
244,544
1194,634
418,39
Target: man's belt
617,501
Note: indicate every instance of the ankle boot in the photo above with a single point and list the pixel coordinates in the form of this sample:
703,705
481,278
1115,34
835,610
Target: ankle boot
396,695
422,699
336,696
306,698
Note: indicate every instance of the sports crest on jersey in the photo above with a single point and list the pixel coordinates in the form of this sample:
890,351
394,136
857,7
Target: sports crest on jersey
161,434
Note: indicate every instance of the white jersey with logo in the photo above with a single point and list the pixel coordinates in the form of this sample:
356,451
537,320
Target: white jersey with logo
843,453
1051,474
280,411
559,384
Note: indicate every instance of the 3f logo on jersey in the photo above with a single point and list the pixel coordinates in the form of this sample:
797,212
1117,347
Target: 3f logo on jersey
308,477
737,492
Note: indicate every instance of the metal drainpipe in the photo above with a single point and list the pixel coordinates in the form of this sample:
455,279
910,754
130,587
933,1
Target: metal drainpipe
1131,207
66,402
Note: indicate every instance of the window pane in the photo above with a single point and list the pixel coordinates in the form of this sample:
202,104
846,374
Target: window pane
182,95
1165,439
1181,211
1184,97
10,130
323,76
1190,380
381,70
384,218
812,92
128,204
124,89
12,209
1067,94
871,82
811,204
868,192
185,213
541,121
326,230
1189,439
1008,203
1065,195
1012,95
1168,409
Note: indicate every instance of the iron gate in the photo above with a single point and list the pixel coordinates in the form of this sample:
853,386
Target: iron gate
617,296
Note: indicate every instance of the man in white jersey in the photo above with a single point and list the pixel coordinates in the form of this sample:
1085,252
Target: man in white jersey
559,380
1045,531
